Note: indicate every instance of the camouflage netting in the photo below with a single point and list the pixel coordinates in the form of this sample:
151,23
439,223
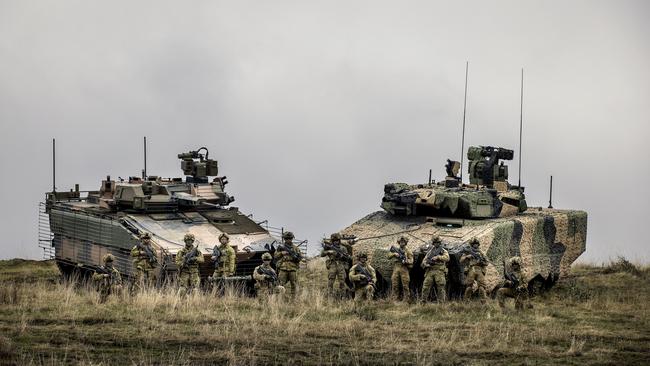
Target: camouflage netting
547,240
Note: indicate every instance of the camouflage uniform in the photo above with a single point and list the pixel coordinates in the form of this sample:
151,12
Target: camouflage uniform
142,263
401,271
364,287
520,292
264,284
337,266
475,272
188,276
226,262
436,271
287,265
108,283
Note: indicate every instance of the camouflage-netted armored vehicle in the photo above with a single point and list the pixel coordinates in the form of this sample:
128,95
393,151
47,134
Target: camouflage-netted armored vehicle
84,226
488,208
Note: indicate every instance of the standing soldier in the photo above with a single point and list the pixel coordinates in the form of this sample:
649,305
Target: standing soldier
225,261
403,262
475,264
363,278
515,285
337,263
288,257
144,262
266,280
435,265
187,261
108,279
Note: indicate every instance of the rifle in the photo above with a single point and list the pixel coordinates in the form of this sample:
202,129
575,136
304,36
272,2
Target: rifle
514,282
216,254
190,256
365,273
432,253
476,254
151,257
273,277
296,256
340,253
112,278
400,254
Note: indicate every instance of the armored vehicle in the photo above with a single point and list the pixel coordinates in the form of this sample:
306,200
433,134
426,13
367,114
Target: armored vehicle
488,208
84,226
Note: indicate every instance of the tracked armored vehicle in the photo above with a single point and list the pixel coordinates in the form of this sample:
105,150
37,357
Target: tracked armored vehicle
84,226
488,208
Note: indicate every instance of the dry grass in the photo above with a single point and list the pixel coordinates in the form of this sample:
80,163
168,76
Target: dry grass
595,316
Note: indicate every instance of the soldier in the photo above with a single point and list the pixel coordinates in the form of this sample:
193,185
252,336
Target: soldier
266,280
187,261
288,257
515,285
403,262
337,263
108,279
363,278
225,262
475,264
435,265
144,262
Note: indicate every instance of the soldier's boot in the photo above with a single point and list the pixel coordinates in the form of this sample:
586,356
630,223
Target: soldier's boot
468,293
441,294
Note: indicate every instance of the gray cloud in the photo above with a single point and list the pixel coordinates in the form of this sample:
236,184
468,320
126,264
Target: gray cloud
311,108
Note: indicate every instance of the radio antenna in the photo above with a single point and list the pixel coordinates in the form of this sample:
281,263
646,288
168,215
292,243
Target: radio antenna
144,172
53,165
521,122
462,143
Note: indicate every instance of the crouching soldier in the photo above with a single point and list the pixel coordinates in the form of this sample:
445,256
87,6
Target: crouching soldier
266,280
187,261
363,278
288,257
403,261
435,265
144,262
515,285
108,279
475,265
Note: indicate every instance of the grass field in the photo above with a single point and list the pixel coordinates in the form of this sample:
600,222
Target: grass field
597,315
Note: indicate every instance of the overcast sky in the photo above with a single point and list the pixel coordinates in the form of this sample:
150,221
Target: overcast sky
310,107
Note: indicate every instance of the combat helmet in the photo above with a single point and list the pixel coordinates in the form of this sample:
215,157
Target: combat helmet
362,255
224,235
515,261
145,236
288,235
189,238
474,241
108,258
436,239
267,257
335,236
403,239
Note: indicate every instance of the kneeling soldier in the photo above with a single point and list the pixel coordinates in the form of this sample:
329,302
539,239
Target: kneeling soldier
363,278
288,257
187,261
266,280
403,261
435,265
515,285
108,279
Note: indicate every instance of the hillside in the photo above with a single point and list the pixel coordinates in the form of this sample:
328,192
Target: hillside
598,315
